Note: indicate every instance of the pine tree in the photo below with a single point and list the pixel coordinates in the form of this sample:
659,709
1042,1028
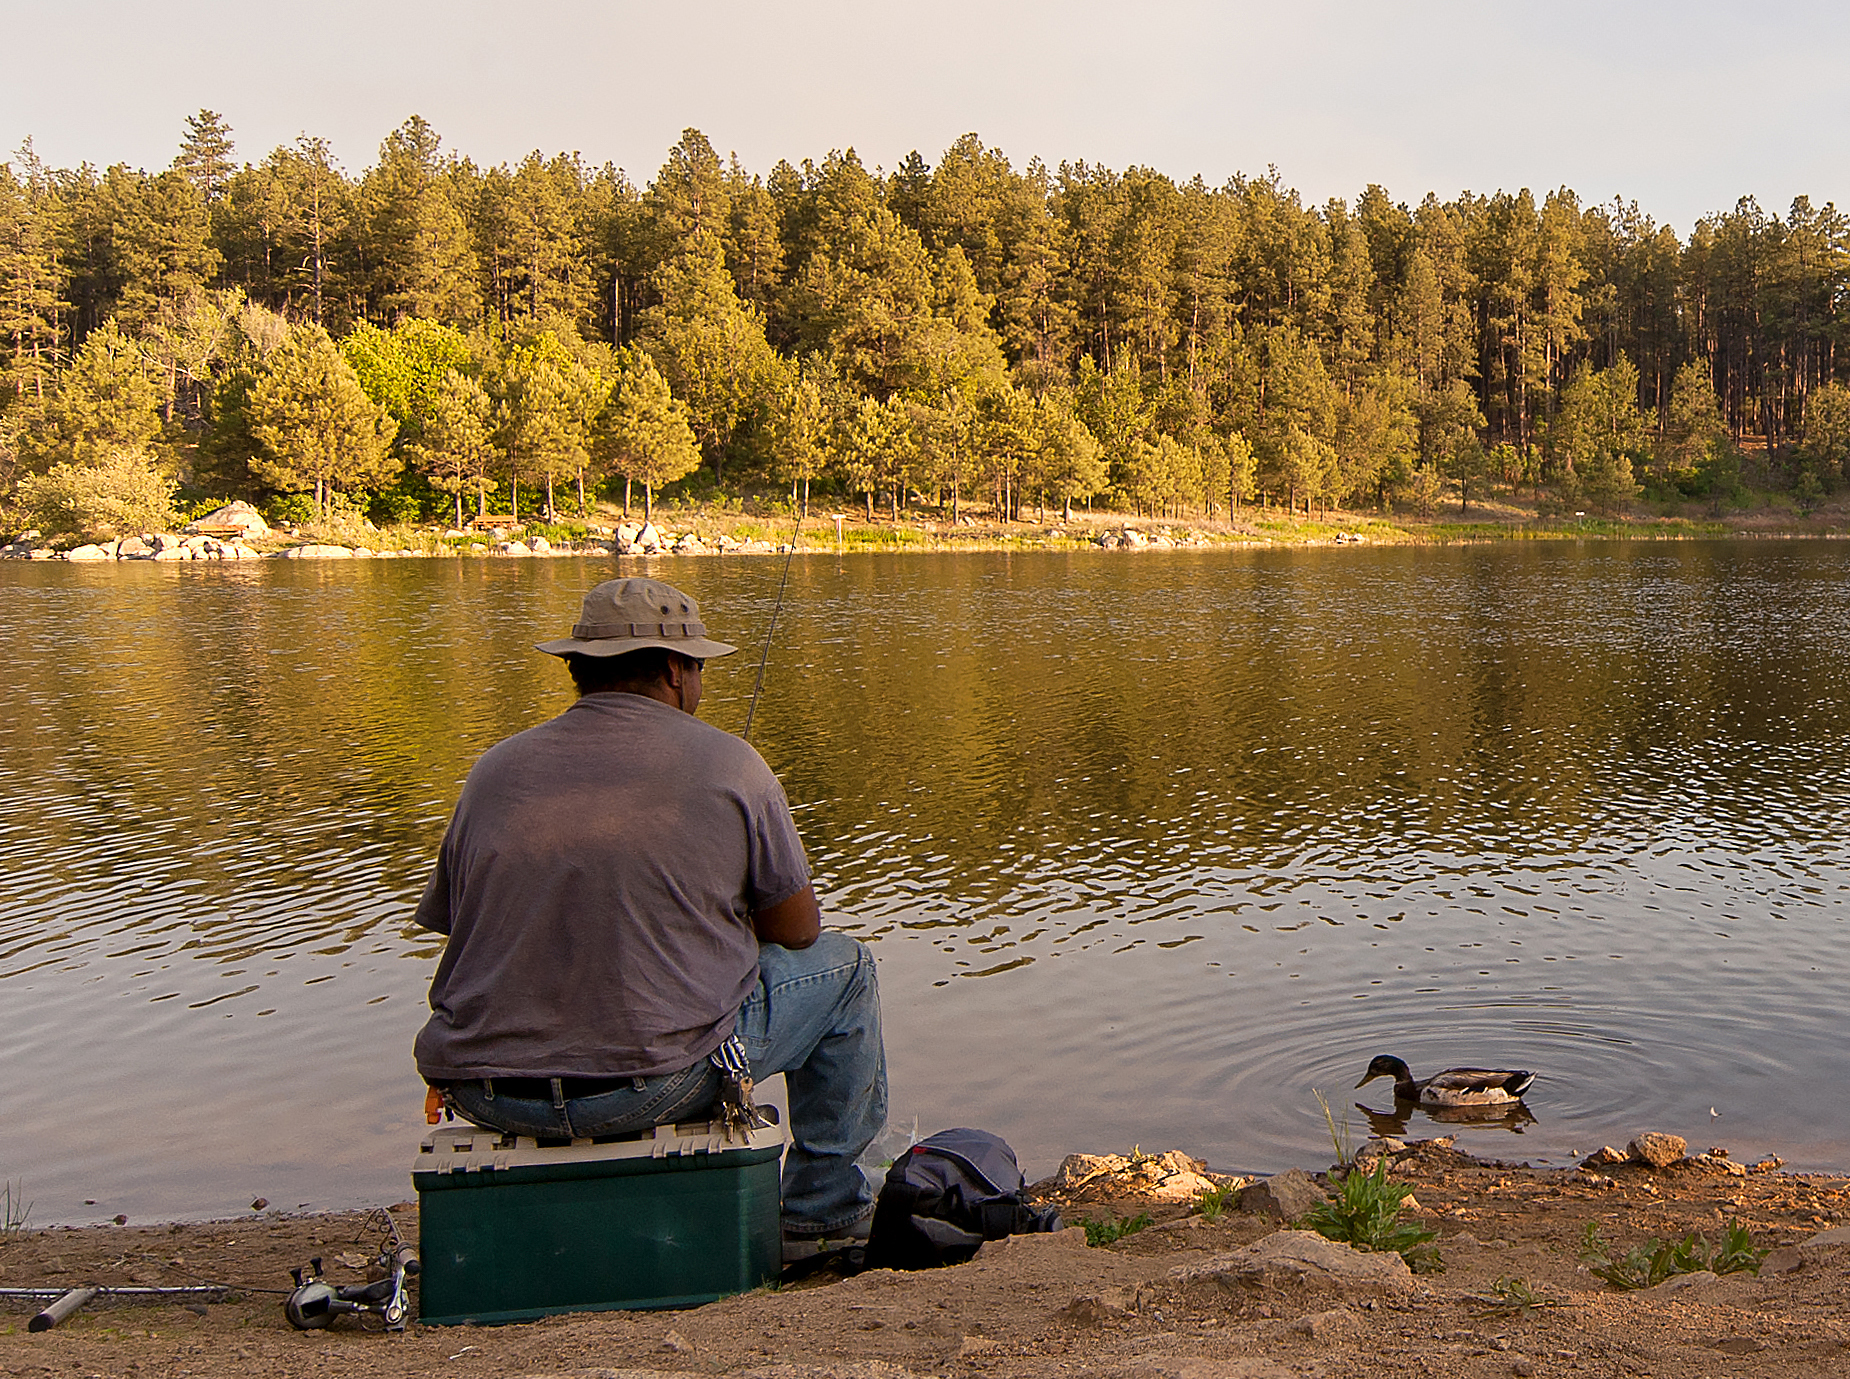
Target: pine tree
318,429
1068,461
643,433
31,279
162,249
457,446
418,244
205,157
799,437
549,405
711,346
105,404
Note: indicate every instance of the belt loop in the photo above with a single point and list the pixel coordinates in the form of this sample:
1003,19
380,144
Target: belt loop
639,1084
488,1089
558,1094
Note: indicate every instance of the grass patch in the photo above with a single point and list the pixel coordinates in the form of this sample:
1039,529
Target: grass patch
1366,1214
1340,1139
1211,1203
15,1210
1116,1228
883,537
1649,1264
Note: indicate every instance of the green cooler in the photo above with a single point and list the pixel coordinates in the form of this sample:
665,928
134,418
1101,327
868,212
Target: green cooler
510,1230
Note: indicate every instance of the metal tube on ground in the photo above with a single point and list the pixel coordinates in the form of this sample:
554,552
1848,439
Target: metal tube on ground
61,1309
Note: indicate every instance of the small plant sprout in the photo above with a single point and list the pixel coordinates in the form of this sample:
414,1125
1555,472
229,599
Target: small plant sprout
15,1210
1340,1139
1512,1297
1116,1228
1211,1203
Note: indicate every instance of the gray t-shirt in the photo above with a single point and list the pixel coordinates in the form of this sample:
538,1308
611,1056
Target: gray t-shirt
597,884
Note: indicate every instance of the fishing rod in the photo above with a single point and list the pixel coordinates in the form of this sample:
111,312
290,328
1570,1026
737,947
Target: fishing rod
770,632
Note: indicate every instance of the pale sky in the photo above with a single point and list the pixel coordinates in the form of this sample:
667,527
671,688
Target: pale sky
1682,107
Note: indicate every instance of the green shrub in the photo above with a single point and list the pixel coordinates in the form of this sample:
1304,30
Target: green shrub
394,508
1105,1232
120,495
291,508
1649,1264
1366,1214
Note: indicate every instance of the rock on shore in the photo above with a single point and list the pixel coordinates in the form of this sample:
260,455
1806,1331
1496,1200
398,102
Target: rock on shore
164,546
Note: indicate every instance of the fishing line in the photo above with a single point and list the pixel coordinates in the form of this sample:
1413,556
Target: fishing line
771,631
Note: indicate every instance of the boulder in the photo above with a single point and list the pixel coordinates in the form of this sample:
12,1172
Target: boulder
1329,1328
172,553
1658,1149
87,553
1826,1245
1171,1177
1095,1309
1017,1247
1286,1195
539,545
131,546
238,514
512,548
648,539
317,552
1077,1169
1300,1260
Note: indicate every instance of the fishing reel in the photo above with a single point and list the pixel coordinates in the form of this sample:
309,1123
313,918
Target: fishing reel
316,1303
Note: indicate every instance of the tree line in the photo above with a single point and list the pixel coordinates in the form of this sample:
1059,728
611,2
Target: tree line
433,335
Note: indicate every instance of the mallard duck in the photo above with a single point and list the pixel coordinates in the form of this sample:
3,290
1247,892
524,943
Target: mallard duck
1454,1086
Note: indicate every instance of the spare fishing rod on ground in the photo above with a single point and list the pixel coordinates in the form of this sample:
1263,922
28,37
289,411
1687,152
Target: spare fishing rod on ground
66,1301
771,631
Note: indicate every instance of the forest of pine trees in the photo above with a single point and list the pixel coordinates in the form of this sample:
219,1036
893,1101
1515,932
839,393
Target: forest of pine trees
434,337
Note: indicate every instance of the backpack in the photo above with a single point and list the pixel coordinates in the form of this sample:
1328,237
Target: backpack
945,1196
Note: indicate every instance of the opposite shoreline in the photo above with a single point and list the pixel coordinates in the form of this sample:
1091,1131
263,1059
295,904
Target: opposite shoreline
709,533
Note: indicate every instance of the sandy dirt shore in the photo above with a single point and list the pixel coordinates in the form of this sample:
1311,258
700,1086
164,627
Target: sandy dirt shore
1044,1306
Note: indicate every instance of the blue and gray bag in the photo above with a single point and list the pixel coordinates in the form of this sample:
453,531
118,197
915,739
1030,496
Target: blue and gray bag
945,1196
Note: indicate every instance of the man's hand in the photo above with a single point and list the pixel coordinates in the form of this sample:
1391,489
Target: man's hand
792,923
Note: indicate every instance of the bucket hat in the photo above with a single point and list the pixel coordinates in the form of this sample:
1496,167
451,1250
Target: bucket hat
623,615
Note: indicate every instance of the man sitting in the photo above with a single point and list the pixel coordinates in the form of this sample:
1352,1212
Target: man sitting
629,917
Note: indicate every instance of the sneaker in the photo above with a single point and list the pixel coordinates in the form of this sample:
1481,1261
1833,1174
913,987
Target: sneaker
799,1249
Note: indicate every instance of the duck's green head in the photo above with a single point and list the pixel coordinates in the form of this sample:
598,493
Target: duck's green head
1386,1065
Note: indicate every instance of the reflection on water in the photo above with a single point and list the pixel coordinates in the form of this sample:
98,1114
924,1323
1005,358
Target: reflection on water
1409,1117
1149,845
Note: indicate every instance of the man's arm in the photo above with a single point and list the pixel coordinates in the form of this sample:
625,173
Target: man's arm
792,923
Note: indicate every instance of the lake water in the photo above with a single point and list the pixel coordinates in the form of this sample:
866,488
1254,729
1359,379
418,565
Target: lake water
1149,845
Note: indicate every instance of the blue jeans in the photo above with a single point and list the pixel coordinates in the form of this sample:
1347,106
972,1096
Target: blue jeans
814,1017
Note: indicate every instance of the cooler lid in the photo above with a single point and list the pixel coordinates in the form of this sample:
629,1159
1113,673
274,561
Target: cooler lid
465,1148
